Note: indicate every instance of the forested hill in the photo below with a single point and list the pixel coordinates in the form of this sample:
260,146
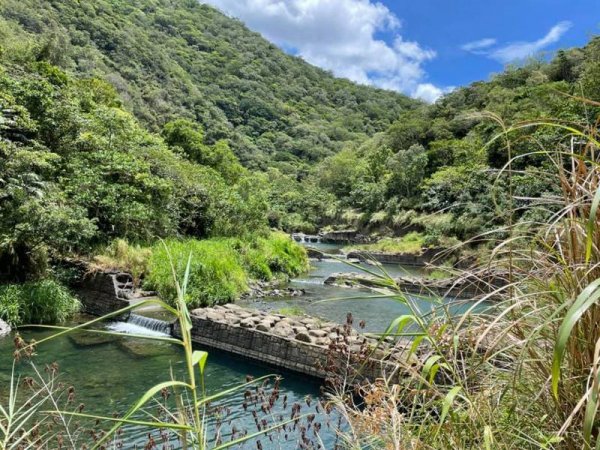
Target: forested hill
180,59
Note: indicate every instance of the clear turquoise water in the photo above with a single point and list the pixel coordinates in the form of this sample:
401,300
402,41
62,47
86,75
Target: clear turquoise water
110,377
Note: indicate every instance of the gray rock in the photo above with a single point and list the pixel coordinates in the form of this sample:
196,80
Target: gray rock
233,307
217,316
318,333
4,329
264,326
83,339
303,337
247,323
142,348
283,330
322,341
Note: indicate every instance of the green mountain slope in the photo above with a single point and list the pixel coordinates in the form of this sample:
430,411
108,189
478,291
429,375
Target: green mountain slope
176,58
442,169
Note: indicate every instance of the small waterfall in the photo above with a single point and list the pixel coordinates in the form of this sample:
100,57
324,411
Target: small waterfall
142,325
306,238
152,324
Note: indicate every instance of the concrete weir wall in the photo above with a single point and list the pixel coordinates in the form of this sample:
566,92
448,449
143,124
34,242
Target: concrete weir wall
98,292
405,259
223,329
299,344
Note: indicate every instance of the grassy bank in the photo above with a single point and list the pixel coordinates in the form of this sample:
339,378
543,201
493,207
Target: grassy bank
45,301
221,269
412,243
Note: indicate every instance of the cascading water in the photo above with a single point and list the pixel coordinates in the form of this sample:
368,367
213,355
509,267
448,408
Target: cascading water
142,325
306,238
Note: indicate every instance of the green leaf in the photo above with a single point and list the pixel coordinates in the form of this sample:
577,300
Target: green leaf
110,333
173,426
416,342
488,437
591,224
199,357
400,322
430,364
588,297
448,401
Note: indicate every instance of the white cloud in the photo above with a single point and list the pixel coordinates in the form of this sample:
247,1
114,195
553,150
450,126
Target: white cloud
521,50
517,51
430,93
478,46
340,35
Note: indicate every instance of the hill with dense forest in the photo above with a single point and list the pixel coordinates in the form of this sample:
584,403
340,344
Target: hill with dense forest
179,59
160,137
156,118
442,169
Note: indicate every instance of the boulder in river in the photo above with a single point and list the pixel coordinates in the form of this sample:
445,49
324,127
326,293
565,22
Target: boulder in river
4,329
143,348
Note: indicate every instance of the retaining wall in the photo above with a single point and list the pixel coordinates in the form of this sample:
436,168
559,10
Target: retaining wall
296,344
99,292
405,259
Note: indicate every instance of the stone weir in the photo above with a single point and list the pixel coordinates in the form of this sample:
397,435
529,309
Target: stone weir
300,344
102,293
406,259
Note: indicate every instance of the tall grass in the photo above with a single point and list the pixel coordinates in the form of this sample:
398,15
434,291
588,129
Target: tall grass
126,257
44,301
222,269
525,374
216,273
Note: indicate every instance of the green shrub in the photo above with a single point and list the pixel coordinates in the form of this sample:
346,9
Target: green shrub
283,255
221,268
216,273
45,301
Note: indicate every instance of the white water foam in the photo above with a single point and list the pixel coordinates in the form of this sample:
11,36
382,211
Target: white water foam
131,328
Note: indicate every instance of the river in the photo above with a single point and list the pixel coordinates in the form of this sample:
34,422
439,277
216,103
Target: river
110,376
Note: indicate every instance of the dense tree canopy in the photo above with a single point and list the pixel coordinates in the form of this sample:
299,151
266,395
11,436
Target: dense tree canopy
173,59
447,157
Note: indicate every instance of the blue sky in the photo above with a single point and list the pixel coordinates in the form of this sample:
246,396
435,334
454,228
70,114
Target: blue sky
422,48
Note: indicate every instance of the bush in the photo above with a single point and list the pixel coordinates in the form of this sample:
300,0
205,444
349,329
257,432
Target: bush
216,274
221,268
283,255
45,301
